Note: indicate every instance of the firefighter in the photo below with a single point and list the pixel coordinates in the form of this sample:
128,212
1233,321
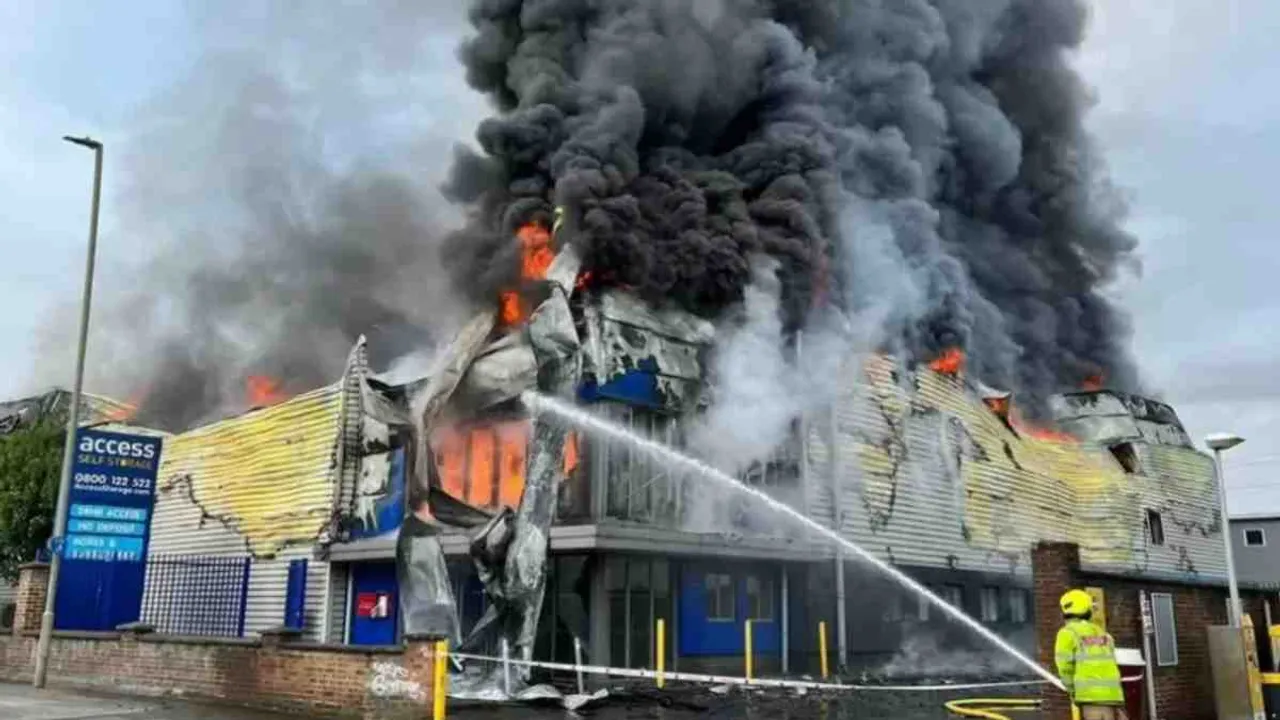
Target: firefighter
1086,659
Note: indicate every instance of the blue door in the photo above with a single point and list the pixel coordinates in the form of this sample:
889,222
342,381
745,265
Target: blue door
715,602
374,604
98,596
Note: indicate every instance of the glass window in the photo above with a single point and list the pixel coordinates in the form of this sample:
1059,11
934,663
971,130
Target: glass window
639,489
1018,605
720,598
483,465
1255,537
1155,527
953,595
922,609
759,598
989,604
893,607
1166,630
641,610
616,585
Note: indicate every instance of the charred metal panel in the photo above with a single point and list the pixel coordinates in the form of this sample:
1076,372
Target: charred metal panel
927,475
1109,416
643,356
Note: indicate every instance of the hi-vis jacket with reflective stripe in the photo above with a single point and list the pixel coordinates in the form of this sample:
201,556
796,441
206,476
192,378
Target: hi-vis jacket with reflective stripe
1086,659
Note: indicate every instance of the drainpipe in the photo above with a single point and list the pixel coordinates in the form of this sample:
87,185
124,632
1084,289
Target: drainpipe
786,622
1148,629
842,653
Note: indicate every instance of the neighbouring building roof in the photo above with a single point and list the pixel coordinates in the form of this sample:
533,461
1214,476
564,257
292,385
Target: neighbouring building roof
1255,517
94,409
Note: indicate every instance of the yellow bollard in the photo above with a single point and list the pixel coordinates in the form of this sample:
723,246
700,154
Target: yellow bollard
439,679
661,640
748,644
822,647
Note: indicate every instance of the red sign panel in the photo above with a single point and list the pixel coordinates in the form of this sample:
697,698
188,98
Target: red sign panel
373,605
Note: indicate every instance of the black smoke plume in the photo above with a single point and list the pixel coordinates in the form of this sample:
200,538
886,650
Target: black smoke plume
685,137
925,156
285,194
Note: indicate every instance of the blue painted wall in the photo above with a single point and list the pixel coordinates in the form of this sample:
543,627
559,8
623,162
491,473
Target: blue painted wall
389,511
635,387
104,553
372,578
701,636
98,596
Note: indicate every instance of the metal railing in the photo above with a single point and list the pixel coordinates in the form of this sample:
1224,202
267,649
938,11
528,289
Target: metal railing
196,595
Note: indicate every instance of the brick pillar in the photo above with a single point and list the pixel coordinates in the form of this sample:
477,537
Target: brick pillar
419,663
1054,568
33,587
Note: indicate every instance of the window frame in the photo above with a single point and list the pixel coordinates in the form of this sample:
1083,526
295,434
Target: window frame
1023,616
1262,533
1155,527
944,591
1156,625
765,598
714,597
989,593
1126,456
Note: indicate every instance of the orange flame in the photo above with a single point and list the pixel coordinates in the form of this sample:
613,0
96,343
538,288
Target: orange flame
1092,383
1040,433
126,411
263,391
485,465
535,258
999,406
570,453
950,362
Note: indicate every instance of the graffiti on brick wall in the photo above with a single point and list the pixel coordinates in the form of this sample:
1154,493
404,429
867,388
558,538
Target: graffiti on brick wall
389,680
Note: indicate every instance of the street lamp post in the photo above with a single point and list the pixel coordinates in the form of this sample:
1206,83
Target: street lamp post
73,418
1219,442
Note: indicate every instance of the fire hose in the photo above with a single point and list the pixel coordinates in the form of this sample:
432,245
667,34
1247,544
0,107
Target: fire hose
994,708
986,708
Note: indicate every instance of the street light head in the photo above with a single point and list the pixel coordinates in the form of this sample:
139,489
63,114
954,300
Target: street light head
1222,441
85,141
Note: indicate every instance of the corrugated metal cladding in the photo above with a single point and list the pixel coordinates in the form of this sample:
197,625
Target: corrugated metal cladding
267,475
261,484
925,474
337,597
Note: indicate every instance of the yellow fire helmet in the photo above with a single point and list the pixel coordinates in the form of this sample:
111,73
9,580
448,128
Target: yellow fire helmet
1076,603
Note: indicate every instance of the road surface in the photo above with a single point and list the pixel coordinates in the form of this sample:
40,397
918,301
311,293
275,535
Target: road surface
23,702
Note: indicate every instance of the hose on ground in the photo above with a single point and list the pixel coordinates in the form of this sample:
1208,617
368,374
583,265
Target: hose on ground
991,708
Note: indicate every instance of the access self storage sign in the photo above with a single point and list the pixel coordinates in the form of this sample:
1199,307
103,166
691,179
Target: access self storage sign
112,495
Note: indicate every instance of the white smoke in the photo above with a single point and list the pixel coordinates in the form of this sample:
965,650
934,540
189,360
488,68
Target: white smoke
753,380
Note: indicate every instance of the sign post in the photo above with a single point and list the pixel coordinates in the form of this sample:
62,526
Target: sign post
108,526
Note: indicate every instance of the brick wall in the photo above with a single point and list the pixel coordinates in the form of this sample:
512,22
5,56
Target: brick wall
267,672
33,580
1184,691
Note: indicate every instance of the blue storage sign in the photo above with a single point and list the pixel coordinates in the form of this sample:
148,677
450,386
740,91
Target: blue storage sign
113,484
112,494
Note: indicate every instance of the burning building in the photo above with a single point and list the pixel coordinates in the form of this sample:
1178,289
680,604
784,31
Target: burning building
917,462
916,170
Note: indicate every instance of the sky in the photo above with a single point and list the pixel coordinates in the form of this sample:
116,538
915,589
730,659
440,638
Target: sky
1186,113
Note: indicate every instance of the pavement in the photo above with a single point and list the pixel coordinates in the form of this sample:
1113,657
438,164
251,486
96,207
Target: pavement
23,702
